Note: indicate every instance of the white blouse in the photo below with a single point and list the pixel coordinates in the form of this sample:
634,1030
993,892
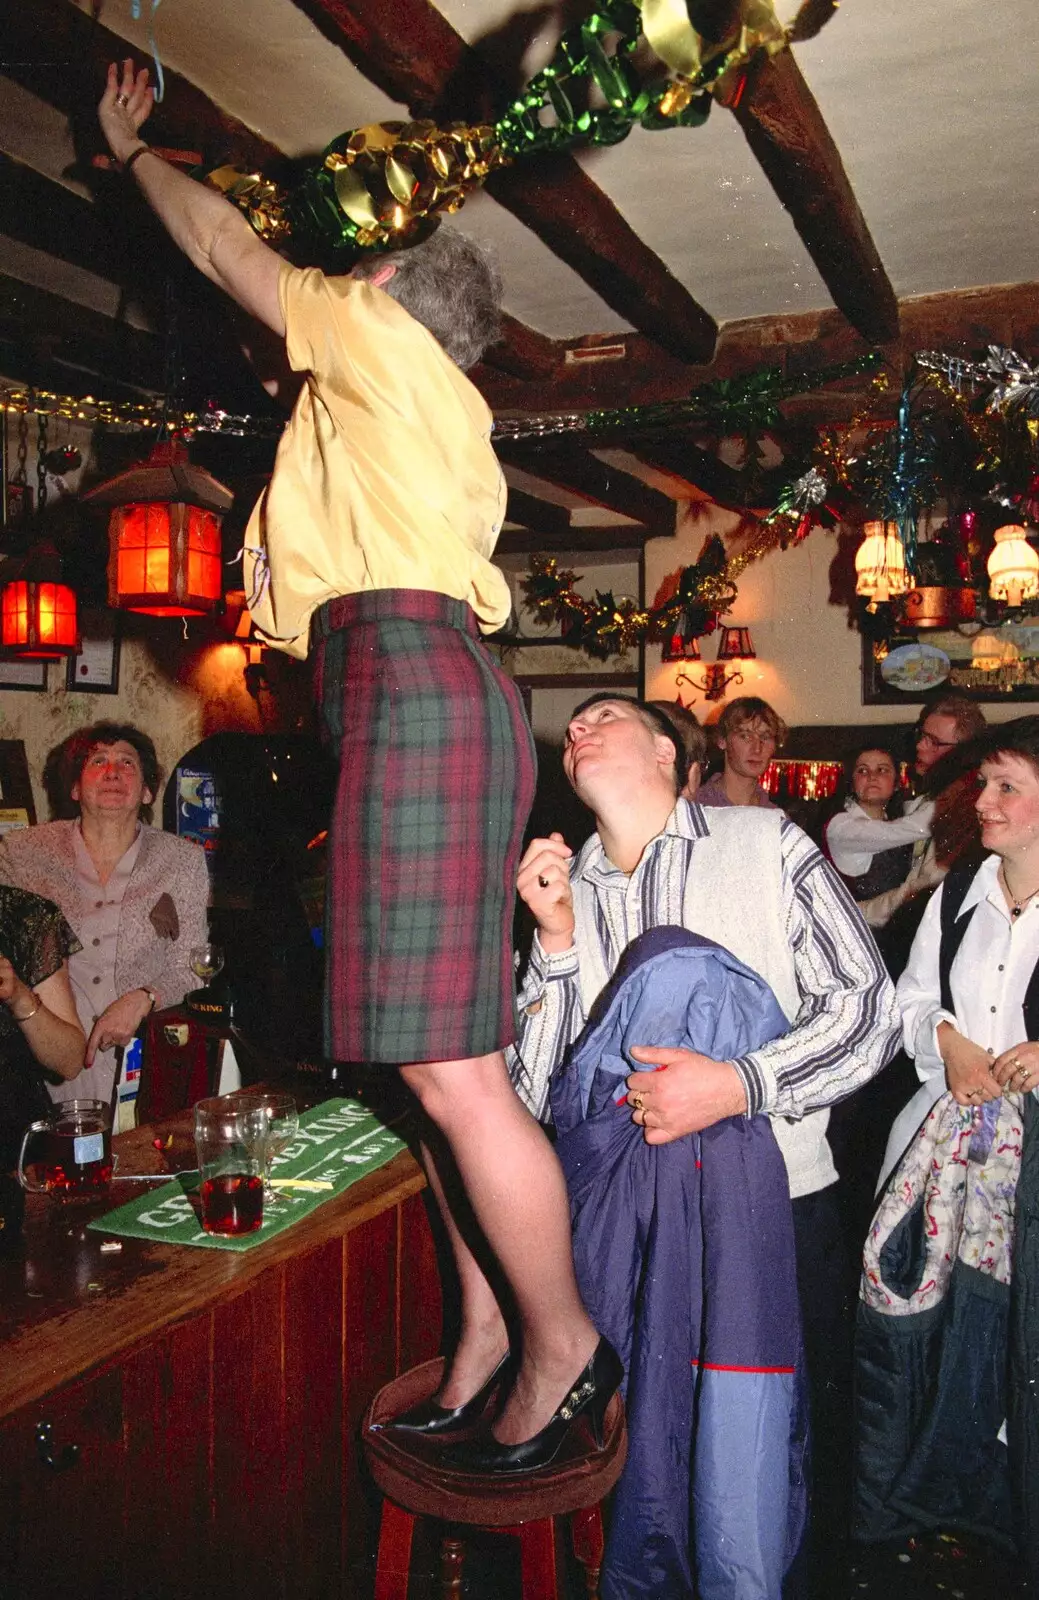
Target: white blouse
988,980
853,837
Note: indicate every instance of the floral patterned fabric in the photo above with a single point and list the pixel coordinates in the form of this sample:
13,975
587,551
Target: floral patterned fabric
954,1190
36,939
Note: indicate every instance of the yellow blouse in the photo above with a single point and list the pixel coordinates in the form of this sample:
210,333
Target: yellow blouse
384,478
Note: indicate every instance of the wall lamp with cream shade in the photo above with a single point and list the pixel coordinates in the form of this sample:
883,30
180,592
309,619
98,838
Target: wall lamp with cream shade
1013,567
880,564
734,645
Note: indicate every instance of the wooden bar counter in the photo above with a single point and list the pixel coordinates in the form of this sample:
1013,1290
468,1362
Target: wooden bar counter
182,1422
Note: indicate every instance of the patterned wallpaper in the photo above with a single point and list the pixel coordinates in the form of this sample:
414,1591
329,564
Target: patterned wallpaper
178,691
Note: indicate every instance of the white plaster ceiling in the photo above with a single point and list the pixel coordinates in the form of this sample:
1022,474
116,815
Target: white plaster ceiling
931,103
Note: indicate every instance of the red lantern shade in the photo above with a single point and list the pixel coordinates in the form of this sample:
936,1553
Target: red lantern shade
164,536
735,645
38,620
680,648
164,559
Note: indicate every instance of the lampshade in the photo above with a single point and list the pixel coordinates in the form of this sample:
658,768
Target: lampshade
681,647
990,652
164,535
1013,566
38,617
735,645
236,621
880,564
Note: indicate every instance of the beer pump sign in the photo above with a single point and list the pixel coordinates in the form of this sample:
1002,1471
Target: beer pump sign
338,1143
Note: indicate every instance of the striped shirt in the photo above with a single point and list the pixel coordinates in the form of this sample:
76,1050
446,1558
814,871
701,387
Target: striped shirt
846,1027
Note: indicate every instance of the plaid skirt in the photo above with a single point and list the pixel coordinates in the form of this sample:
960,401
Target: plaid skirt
436,780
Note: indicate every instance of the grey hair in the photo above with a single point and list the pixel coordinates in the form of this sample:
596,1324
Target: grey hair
451,285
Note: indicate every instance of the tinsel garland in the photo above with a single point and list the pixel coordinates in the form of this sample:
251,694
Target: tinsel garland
803,780
140,415
967,432
744,405
948,444
384,185
734,405
605,626
1012,380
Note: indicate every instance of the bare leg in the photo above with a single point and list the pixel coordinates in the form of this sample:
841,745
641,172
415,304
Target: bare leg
515,1187
483,1337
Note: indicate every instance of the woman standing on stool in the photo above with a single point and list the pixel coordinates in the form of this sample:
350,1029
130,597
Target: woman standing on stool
375,535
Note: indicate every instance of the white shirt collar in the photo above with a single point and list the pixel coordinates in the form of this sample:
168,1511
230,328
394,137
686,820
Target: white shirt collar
687,821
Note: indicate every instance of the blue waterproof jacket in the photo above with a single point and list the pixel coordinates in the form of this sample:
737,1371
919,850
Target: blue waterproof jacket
685,1258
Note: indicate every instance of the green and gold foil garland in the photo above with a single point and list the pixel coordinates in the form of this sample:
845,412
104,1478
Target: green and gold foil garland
606,626
733,405
384,185
744,405
967,432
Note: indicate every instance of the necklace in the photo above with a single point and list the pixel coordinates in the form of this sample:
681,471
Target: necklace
1016,906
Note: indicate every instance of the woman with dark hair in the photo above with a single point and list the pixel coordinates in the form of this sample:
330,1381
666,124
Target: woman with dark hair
870,841
955,1244
372,543
134,897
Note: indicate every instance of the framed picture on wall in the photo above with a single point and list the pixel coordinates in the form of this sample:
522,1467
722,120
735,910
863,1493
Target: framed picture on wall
539,657
995,663
550,664
95,669
31,675
17,809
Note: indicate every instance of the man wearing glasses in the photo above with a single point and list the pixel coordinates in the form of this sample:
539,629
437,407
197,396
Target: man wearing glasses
948,722
944,725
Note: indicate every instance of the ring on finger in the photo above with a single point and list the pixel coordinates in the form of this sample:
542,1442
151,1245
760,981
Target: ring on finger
637,1102
542,880
122,99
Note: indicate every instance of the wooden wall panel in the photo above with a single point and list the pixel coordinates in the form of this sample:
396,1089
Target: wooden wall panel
370,1354
313,1362
167,1422
421,1317
248,1462
69,1540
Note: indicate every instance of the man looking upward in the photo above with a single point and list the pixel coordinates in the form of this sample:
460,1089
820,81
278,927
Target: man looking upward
749,879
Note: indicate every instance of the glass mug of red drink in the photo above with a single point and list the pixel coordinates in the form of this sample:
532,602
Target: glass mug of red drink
231,1138
73,1154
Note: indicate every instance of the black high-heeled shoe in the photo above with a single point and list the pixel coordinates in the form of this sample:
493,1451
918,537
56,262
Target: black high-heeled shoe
588,1397
432,1420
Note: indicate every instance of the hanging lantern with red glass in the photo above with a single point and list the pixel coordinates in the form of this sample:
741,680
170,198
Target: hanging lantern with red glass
164,546
38,617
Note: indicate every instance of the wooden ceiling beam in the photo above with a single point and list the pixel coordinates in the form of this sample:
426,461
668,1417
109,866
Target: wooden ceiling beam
542,517
49,342
582,539
524,353
787,133
556,200
412,53
582,474
60,54
694,465
122,244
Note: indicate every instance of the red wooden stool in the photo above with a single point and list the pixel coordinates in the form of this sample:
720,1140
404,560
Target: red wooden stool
410,1473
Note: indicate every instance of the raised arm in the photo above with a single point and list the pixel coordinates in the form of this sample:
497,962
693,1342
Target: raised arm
209,230
46,1016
